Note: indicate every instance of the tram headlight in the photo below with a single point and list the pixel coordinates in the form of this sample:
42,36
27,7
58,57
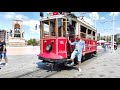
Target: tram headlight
49,47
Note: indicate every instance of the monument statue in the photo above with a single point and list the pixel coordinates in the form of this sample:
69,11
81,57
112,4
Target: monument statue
16,34
10,33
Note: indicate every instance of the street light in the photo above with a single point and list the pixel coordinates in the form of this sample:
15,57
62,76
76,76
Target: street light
102,27
94,19
112,43
106,30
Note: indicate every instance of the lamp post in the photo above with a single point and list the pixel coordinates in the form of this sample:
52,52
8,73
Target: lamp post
94,20
103,27
112,46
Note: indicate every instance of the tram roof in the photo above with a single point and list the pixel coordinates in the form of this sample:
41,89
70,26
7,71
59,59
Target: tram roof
63,16
52,17
87,24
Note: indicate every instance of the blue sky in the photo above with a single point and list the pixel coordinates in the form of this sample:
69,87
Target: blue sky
30,19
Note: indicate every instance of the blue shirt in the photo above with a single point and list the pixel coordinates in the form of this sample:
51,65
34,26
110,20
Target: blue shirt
79,45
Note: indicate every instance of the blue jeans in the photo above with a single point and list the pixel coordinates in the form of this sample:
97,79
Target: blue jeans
3,55
76,53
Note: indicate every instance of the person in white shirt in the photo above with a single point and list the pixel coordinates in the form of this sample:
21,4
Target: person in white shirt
79,47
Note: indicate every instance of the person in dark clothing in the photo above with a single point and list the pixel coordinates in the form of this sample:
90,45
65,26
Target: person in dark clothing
3,51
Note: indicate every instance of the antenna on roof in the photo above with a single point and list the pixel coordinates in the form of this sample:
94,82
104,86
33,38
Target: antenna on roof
41,14
82,14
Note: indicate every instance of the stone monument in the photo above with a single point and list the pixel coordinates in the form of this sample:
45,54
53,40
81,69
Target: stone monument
17,34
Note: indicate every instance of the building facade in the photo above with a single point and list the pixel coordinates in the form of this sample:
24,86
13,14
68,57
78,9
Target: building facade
98,36
4,34
116,37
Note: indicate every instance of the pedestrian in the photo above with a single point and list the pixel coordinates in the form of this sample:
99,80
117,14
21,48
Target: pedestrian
104,46
79,47
3,51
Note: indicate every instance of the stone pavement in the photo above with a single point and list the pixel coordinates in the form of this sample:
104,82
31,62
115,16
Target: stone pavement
105,66
20,60
19,65
28,50
24,59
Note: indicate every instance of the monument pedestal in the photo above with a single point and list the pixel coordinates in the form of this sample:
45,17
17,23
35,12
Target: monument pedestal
17,42
16,38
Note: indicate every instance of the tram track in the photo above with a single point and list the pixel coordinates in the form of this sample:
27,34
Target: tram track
39,73
70,72
42,73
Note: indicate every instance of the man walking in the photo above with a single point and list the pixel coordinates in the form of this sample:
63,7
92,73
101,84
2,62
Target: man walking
79,46
3,51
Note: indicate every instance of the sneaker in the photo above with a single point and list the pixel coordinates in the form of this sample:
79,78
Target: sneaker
72,63
79,69
6,63
0,63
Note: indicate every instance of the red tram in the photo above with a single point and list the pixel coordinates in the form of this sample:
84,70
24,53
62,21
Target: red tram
53,44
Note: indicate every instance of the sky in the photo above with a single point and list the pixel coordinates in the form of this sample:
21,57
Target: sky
30,19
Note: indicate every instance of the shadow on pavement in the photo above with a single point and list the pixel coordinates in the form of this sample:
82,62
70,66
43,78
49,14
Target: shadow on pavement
56,67
2,64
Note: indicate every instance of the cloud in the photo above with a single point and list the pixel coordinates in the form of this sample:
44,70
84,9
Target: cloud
21,17
105,33
94,15
115,13
13,15
26,20
32,30
102,18
118,28
88,20
9,15
30,23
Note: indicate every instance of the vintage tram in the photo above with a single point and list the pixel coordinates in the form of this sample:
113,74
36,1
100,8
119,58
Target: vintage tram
54,46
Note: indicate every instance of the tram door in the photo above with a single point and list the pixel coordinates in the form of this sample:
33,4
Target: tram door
71,31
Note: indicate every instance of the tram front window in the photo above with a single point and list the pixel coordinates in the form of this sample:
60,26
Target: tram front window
56,27
52,27
62,27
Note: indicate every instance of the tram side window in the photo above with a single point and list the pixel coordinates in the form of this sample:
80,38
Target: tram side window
59,32
89,34
83,31
93,35
52,27
59,27
46,29
64,31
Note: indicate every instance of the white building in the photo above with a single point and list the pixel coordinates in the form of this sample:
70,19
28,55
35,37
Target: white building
4,34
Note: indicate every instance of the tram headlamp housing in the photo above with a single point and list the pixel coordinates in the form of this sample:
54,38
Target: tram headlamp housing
49,47
52,41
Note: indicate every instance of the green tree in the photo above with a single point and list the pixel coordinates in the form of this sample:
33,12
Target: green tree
29,42
102,38
33,42
118,41
109,38
98,38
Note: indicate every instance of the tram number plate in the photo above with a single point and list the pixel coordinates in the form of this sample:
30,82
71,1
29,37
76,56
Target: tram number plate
61,42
